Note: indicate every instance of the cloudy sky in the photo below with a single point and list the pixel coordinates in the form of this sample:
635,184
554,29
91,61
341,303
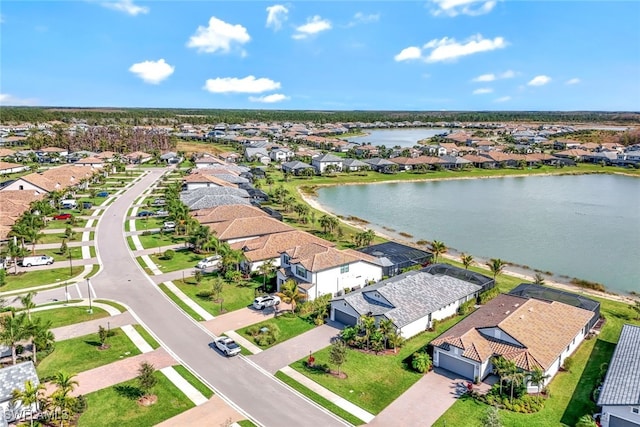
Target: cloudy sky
329,55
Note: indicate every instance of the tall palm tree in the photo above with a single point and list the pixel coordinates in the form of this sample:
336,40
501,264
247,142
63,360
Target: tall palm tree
34,235
30,396
265,269
537,377
41,336
64,382
13,329
466,260
290,293
27,303
438,248
496,265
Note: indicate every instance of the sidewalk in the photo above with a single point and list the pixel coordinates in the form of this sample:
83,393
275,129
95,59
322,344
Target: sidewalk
173,275
69,244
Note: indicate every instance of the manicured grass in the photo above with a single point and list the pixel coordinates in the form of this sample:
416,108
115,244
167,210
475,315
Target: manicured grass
246,423
181,260
234,296
112,304
144,266
94,269
29,279
92,251
160,239
117,406
68,315
290,326
194,381
59,237
127,225
81,354
180,304
146,336
347,416
570,392
76,253
55,224
373,382
132,246
148,223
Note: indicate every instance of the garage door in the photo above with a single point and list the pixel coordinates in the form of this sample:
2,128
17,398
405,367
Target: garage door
457,366
344,318
619,422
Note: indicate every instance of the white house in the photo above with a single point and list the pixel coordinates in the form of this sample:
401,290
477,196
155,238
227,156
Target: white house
321,163
620,394
199,180
7,168
320,269
281,155
412,301
532,333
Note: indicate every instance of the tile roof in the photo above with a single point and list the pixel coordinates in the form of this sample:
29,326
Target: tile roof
317,257
202,178
5,152
227,213
622,382
525,320
270,246
14,377
247,227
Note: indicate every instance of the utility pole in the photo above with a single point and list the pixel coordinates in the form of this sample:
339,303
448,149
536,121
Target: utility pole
90,311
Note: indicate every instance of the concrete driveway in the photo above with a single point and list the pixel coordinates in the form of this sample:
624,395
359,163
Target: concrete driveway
424,402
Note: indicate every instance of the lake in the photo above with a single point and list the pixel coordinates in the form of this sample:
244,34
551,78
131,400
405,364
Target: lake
585,226
405,138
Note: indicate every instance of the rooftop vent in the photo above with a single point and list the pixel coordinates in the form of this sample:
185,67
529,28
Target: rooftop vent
507,312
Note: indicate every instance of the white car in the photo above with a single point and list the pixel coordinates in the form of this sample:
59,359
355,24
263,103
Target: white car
261,303
209,262
228,346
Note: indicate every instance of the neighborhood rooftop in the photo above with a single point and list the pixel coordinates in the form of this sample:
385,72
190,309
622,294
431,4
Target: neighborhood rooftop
622,383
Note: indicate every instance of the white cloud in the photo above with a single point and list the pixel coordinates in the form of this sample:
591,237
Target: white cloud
361,18
573,81
509,74
539,80
276,15
482,91
218,36
462,7
447,49
408,53
152,71
6,99
503,99
313,26
269,99
126,6
248,84
484,78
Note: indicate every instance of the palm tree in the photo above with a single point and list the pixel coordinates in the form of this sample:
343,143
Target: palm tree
41,336
496,265
438,248
27,303
466,260
64,383
537,377
34,237
13,329
30,396
265,269
290,293
325,222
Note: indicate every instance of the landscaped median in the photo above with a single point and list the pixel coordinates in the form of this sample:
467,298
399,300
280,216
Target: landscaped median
276,330
178,260
30,279
230,298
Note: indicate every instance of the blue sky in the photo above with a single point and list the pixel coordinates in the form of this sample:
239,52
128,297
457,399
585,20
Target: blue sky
329,55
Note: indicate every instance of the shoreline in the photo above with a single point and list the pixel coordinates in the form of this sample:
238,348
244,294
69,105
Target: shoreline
510,269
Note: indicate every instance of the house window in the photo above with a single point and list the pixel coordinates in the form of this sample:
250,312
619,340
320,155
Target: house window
285,258
635,410
344,269
301,271
21,187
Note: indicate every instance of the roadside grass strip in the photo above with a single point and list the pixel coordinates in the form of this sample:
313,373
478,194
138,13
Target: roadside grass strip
180,303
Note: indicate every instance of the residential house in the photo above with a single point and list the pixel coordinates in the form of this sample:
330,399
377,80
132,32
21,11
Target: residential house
138,157
54,179
227,213
353,165
436,149
480,161
534,334
620,394
242,229
412,301
14,203
197,180
9,168
209,197
320,269
230,157
381,165
207,161
394,257
321,163
296,168
256,154
281,155
454,162
14,378
576,154
93,162
367,151
55,151
171,158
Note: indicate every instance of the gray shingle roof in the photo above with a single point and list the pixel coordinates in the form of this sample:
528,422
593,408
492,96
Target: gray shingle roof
622,383
206,202
188,196
354,163
14,377
410,296
328,157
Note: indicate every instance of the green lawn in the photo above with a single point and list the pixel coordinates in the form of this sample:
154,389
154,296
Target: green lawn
319,399
59,237
94,270
54,224
181,260
148,223
570,391
76,253
117,406
234,296
160,239
121,308
130,243
180,304
373,382
290,326
147,336
37,278
194,381
81,354
69,315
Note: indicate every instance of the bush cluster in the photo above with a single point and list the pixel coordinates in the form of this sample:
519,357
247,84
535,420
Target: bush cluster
264,338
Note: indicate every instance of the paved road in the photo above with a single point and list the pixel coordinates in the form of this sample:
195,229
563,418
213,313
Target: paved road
252,390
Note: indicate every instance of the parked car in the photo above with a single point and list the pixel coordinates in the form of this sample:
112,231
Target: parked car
62,217
35,260
261,303
159,202
162,213
68,204
102,194
227,345
145,213
87,205
209,262
168,226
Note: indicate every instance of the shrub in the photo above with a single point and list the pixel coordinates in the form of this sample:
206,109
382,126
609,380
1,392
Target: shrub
168,254
586,421
421,362
568,364
487,296
205,293
466,308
